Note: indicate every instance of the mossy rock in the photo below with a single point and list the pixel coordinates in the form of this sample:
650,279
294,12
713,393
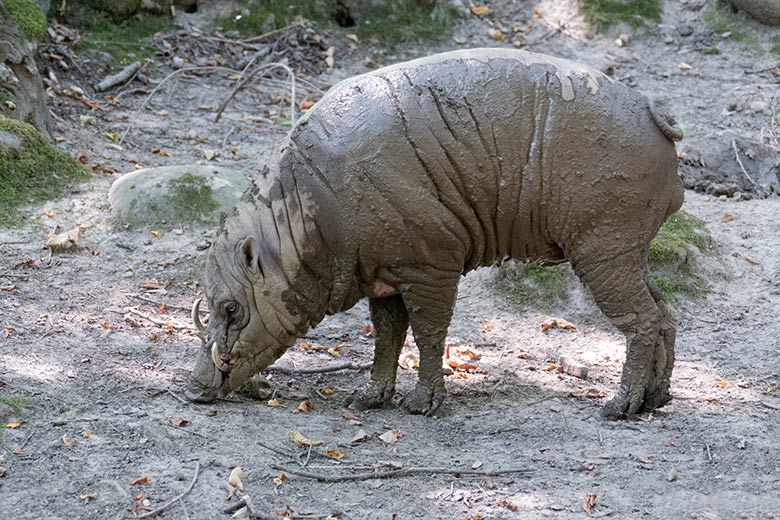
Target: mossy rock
31,169
172,196
28,16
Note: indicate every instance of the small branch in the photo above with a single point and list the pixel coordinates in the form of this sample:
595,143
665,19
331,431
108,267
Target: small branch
123,76
333,368
262,37
242,82
172,502
160,323
742,166
404,472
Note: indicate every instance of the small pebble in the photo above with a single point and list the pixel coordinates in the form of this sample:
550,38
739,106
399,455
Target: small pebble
672,475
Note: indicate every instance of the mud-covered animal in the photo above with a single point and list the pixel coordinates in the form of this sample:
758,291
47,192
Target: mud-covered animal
399,181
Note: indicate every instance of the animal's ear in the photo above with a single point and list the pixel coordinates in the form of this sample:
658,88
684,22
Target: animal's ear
249,255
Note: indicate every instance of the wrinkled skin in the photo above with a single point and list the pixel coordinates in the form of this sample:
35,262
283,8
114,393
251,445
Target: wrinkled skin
399,181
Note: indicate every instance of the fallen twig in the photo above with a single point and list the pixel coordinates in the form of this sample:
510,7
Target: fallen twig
742,166
242,82
403,472
170,503
263,36
123,76
158,322
333,368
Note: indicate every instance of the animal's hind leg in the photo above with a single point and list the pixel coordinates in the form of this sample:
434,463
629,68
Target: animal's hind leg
390,323
669,333
619,286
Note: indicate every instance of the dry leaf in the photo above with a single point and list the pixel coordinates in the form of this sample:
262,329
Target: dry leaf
179,421
329,59
590,501
361,436
17,451
48,212
156,232
68,440
281,478
391,436
335,453
751,260
479,10
302,441
305,406
590,393
464,366
209,154
507,504
557,323
274,403
327,390
64,240
496,34
346,414
2,471
86,434
235,478
684,66
336,351
727,217
211,413
140,480
161,152
88,496
408,361
642,460
13,425
723,384
307,102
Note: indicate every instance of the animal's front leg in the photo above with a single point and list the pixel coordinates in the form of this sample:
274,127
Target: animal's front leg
430,307
390,323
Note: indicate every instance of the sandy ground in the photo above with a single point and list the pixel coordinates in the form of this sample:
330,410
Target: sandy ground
84,337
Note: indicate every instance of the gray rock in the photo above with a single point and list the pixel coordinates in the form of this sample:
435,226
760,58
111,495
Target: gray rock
765,11
173,196
9,140
685,30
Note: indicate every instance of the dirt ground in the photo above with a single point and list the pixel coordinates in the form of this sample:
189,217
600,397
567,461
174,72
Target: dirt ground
106,435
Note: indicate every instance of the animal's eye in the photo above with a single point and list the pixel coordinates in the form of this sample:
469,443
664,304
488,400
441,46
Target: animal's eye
231,307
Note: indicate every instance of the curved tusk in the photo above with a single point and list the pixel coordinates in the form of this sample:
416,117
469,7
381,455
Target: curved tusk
196,318
221,365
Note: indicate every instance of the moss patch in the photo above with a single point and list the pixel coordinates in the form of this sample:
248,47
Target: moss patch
17,403
36,171
28,16
535,286
380,23
600,14
720,18
672,257
125,37
191,197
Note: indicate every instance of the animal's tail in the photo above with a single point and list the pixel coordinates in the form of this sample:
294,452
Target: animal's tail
665,122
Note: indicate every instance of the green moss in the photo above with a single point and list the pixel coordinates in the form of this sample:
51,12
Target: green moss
125,39
382,23
392,23
36,171
721,19
28,16
600,14
673,253
774,45
191,197
675,239
17,403
533,285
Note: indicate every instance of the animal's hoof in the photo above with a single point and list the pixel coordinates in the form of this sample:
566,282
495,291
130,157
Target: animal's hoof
373,395
628,402
423,401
